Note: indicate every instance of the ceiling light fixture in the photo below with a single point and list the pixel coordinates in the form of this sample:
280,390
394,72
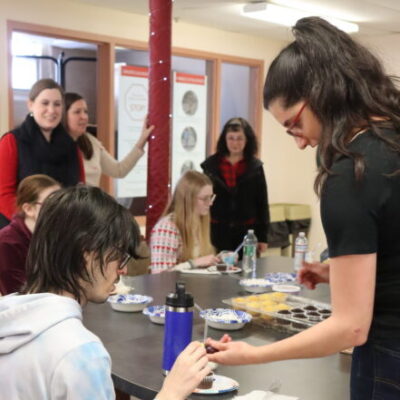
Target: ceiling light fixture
288,16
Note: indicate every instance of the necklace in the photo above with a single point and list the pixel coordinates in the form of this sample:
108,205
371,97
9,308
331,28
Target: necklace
362,130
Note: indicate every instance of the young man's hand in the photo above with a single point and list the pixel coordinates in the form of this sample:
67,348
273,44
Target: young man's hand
186,374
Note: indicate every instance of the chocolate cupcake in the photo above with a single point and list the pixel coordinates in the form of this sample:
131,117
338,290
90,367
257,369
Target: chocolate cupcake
299,315
325,312
222,267
282,321
206,382
284,312
297,310
298,326
313,316
210,349
310,307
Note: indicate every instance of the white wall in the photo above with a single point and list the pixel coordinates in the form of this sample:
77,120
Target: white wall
290,172
386,47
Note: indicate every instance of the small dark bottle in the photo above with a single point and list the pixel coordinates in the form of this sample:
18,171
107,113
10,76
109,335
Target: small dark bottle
178,325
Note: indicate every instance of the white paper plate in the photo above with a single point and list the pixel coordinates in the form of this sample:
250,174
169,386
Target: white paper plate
129,302
156,314
221,384
286,288
256,285
200,271
232,270
225,318
279,278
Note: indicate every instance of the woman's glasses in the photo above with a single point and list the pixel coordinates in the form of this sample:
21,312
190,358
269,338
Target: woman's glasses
208,199
295,120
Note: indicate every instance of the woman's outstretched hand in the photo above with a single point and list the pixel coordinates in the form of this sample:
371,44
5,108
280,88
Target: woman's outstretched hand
206,261
231,353
313,273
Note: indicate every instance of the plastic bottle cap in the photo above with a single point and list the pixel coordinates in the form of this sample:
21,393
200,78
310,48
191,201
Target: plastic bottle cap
180,298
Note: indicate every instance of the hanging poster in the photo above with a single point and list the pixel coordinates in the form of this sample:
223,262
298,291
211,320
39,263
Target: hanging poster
189,123
132,104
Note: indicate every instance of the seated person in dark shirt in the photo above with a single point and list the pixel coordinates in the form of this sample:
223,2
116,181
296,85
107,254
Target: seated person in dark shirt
3,221
15,237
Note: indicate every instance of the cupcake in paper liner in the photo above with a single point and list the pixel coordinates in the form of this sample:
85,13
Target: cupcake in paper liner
207,381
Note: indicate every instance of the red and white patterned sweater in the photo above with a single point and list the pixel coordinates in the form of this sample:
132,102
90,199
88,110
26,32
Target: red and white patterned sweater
166,247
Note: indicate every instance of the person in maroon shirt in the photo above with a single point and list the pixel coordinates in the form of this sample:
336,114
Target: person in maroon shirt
15,237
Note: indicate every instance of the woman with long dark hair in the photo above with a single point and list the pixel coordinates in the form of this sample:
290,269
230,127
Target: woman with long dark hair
96,158
238,178
329,91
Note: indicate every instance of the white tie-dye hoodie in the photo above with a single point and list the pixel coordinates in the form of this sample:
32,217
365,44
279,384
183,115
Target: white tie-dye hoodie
47,353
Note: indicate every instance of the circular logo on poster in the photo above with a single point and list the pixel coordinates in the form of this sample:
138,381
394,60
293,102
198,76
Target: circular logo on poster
188,165
190,102
189,138
136,102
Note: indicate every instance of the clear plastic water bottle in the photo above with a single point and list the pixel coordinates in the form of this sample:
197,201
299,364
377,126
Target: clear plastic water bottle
250,252
300,251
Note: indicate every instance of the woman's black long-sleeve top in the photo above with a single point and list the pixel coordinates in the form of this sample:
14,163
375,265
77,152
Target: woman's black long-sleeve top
237,209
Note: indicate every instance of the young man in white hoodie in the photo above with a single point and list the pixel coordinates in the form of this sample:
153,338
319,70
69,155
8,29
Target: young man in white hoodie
80,246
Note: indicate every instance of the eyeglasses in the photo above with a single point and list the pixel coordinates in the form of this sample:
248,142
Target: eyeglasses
208,199
295,120
235,139
124,261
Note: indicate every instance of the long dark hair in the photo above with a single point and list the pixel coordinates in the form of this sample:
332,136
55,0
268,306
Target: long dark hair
236,125
343,83
72,222
83,142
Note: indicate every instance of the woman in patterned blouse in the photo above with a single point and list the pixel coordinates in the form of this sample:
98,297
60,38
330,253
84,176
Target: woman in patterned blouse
181,238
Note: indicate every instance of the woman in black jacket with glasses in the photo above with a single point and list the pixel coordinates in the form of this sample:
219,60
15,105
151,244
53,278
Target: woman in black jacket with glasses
238,178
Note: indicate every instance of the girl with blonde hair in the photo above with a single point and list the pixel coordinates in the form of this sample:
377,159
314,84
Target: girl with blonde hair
181,238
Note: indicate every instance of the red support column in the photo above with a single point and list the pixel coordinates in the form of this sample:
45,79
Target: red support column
158,170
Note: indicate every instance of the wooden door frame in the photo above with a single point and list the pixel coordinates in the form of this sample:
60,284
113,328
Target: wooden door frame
105,79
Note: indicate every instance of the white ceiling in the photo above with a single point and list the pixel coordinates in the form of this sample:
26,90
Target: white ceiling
375,17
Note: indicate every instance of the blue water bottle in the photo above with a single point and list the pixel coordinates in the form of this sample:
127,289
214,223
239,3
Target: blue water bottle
178,325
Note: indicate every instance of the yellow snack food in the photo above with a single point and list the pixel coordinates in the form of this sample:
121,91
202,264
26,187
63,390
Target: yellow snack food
278,296
240,300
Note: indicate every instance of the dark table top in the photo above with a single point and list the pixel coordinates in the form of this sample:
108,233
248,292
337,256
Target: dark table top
135,343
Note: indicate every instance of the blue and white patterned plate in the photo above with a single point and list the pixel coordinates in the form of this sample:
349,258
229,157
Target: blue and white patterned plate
155,313
225,318
221,384
129,302
280,277
256,285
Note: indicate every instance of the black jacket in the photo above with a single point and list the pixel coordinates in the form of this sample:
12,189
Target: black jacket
248,200
57,158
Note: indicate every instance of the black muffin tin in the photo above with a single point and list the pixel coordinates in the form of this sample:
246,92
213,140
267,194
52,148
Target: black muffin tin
303,314
302,317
